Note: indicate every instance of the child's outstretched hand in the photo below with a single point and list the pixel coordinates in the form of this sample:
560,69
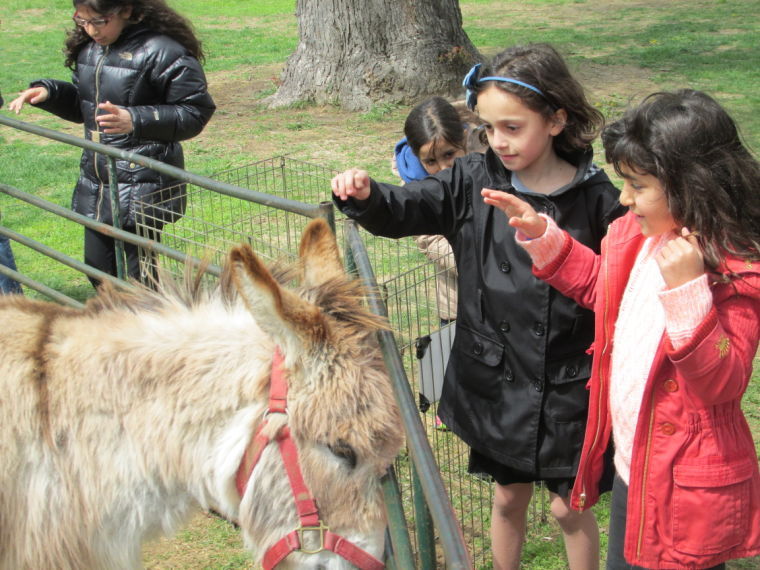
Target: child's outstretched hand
353,183
117,120
681,260
33,95
520,214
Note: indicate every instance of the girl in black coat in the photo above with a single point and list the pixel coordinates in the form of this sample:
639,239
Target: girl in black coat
514,388
137,85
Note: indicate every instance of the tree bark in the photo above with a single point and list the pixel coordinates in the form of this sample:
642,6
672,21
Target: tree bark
356,53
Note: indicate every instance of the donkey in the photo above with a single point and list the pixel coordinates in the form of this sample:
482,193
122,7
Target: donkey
266,403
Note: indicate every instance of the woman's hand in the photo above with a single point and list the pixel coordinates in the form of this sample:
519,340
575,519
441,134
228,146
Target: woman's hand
353,183
33,96
117,121
520,214
681,260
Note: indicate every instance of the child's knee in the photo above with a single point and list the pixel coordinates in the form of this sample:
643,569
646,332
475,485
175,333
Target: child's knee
565,515
511,500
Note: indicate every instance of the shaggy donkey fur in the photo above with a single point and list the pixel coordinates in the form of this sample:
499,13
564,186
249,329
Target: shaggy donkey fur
120,418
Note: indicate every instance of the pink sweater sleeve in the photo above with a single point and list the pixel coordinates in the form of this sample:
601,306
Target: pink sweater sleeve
545,248
685,308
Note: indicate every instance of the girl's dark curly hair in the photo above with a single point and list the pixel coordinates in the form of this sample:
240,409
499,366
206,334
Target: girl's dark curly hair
693,147
155,14
541,66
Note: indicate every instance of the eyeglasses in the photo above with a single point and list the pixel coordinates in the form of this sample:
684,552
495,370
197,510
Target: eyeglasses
94,22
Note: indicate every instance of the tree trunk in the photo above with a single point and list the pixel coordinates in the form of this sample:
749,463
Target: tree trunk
358,52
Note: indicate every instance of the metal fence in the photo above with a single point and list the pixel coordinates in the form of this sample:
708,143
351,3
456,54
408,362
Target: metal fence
431,507
407,283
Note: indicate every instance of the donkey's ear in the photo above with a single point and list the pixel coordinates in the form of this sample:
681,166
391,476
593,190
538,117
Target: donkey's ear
319,253
290,321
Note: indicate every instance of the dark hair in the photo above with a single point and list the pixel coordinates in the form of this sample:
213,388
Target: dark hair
711,180
435,120
155,14
541,66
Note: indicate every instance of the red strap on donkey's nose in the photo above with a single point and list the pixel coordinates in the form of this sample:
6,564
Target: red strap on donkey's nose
306,506
278,404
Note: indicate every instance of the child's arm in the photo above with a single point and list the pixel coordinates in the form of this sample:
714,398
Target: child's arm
435,205
716,360
186,105
714,334
353,183
520,214
33,96
438,250
117,120
52,95
687,298
681,260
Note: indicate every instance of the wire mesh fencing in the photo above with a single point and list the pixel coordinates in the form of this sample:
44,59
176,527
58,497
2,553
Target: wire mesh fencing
410,283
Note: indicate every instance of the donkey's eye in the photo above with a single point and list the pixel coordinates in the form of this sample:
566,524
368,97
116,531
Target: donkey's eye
345,452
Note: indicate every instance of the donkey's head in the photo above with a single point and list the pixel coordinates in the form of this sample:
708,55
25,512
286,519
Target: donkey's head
340,414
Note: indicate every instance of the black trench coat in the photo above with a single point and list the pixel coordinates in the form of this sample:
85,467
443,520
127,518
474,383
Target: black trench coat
515,384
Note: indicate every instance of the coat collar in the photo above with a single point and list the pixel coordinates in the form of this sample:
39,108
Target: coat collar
499,177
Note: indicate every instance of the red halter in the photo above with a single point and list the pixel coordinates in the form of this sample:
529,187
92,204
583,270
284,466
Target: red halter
306,506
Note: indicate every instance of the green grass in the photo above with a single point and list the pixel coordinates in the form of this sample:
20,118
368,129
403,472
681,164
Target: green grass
621,51
704,44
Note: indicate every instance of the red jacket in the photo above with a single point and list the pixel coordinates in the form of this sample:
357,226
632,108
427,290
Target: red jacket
694,494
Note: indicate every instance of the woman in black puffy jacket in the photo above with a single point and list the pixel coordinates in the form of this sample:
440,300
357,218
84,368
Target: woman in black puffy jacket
137,85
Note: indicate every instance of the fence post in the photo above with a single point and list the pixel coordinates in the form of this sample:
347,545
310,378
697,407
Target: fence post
401,545
327,211
113,184
423,522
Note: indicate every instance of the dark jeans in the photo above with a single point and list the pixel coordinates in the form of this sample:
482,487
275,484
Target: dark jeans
100,252
618,511
7,285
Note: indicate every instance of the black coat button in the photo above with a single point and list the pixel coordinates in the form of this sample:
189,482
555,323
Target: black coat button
504,326
539,329
505,267
571,371
477,348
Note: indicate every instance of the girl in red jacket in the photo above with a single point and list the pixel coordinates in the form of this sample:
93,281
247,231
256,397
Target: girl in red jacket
676,294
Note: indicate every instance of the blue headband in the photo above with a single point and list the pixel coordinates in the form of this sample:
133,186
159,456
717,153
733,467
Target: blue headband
470,83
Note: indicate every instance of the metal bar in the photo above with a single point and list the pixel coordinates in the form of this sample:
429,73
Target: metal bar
403,554
400,545
64,259
424,525
309,210
109,230
113,186
433,489
42,288
327,211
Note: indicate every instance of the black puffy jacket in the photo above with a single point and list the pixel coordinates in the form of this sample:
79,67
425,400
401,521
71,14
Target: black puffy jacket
164,89
515,382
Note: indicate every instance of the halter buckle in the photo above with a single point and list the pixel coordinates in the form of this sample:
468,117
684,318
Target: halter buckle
321,529
267,413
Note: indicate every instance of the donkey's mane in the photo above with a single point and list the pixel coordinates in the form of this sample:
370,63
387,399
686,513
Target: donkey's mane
340,297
